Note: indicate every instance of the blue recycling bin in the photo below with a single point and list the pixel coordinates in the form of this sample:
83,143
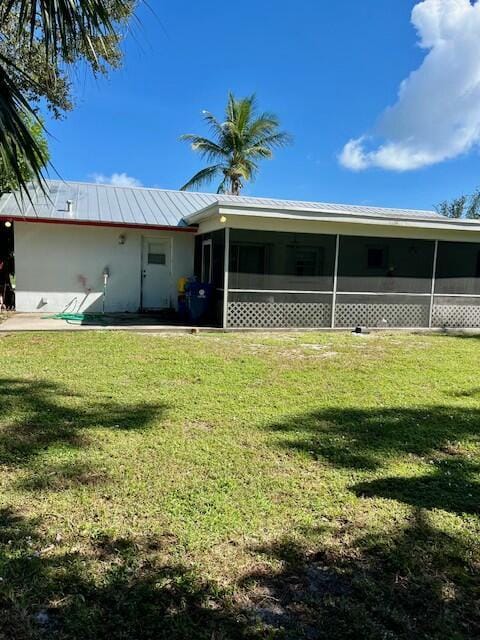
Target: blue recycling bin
198,297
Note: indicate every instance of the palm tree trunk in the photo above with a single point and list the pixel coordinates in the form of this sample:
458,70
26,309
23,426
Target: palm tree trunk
236,185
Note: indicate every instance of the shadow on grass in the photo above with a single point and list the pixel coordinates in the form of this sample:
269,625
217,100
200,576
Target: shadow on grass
53,594
366,439
37,415
417,583
452,485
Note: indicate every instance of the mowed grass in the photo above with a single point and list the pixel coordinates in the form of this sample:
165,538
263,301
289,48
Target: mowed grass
239,486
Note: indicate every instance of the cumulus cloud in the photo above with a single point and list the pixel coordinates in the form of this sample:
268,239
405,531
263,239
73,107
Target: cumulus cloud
117,180
437,112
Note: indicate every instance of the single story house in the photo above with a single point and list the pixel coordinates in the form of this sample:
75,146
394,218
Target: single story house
271,263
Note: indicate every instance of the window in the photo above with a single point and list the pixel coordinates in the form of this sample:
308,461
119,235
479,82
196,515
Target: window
156,254
477,268
248,258
376,257
307,261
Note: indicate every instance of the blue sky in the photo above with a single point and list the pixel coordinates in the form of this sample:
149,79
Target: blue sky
328,69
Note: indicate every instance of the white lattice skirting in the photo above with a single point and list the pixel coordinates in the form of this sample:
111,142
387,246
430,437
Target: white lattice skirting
381,315
279,314
456,316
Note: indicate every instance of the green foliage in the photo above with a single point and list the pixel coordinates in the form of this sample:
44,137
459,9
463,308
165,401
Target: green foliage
37,38
461,207
8,177
48,79
244,138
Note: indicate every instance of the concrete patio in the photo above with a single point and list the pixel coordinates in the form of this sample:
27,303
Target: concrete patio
110,322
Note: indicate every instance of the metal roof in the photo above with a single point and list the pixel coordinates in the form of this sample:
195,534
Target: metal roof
108,204
323,207
100,203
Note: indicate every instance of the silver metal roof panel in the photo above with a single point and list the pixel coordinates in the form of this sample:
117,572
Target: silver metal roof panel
104,204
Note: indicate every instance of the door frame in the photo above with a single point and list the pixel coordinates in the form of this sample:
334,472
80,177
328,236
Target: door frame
144,243
202,274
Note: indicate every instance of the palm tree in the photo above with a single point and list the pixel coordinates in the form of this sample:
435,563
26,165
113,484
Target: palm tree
238,143
63,28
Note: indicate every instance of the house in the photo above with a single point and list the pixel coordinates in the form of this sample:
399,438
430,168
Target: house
271,263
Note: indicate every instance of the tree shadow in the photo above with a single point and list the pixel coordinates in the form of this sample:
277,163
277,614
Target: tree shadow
417,583
366,439
53,594
37,415
452,485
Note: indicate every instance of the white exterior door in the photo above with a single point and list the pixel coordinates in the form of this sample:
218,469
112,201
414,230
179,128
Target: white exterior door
157,273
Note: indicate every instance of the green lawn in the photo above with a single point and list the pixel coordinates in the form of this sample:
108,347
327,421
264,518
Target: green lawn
239,486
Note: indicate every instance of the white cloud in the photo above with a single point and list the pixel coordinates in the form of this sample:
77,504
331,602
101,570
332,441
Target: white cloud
437,113
116,179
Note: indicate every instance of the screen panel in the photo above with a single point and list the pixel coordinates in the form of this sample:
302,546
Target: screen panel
281,261
389,265
216,255
458,268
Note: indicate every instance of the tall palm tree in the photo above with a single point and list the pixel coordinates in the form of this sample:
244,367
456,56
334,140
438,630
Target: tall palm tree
238,143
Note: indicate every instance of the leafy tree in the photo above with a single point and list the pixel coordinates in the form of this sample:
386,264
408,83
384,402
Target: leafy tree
461,207
8,178
48,80
39,40
238,143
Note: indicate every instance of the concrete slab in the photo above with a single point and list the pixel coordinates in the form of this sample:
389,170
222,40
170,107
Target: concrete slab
121,322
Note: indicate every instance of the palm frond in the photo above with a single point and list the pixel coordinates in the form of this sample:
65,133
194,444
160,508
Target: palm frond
274,140
207,148
215,126
258,151
261,127
245,111
222,187
68,25
17,144
201,177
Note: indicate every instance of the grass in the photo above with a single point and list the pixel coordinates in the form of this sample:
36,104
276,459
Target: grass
239,486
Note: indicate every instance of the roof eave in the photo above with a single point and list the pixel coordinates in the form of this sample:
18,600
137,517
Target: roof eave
294,214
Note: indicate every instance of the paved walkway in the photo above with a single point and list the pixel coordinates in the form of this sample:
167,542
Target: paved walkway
114,322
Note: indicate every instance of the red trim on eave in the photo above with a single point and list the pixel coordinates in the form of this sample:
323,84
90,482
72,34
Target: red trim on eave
92,223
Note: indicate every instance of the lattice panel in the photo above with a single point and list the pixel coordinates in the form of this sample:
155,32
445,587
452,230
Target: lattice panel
279,314
381,315
454,315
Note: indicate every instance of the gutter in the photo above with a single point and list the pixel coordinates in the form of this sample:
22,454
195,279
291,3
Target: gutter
98,223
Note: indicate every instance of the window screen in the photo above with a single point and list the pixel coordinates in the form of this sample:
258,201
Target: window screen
393,265
275,260
376,257
306,261
458,268
217,256
207,261
248,258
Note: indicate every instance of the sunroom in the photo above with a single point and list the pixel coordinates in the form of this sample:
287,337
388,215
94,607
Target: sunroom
274,264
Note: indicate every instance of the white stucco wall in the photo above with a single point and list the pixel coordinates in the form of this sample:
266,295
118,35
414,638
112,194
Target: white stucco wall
59,267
